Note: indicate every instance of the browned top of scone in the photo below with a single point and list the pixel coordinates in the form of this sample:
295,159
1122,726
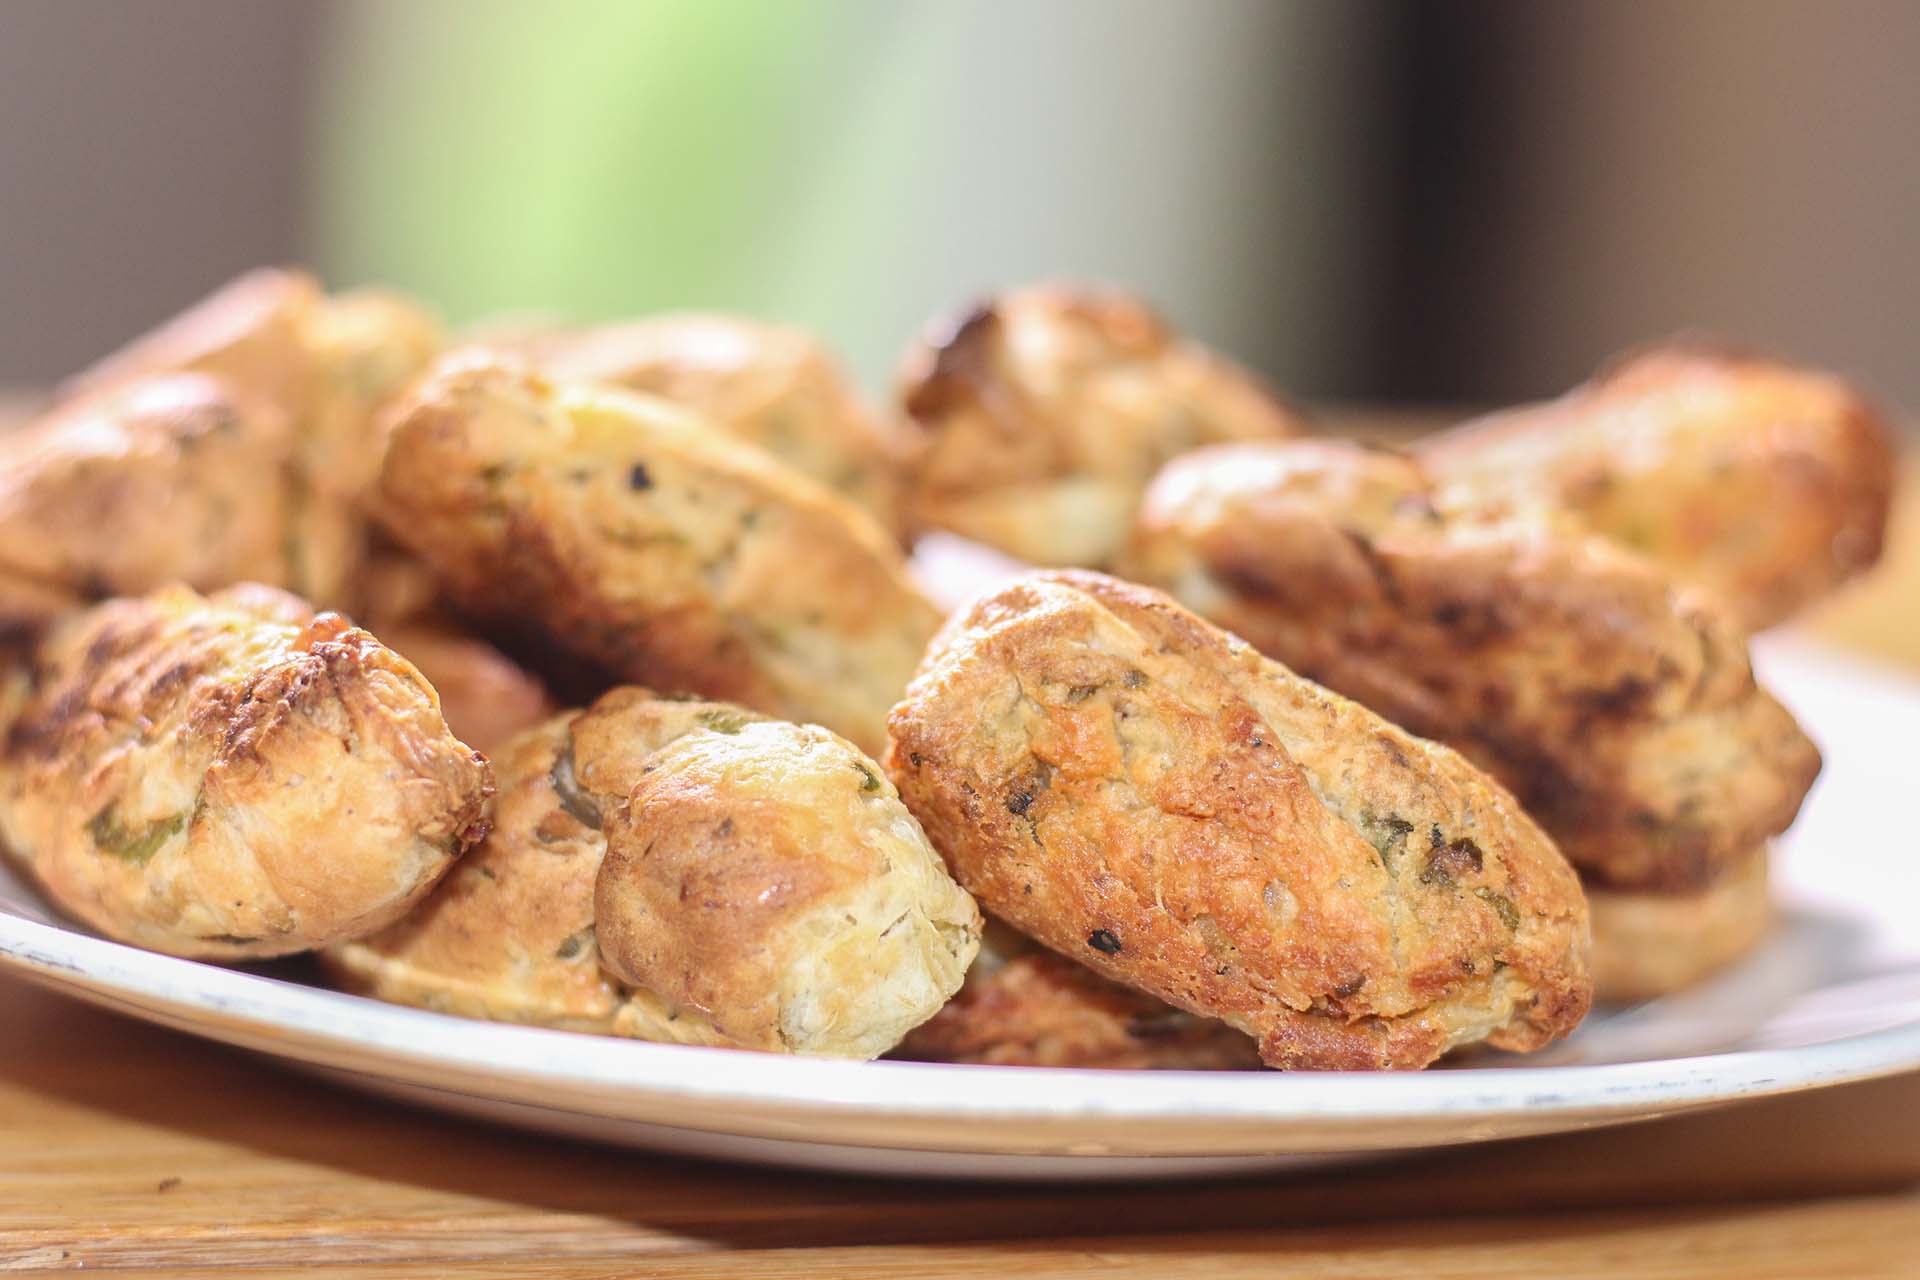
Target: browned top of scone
1767,483
612,529
1045,410
232,775
765,877
1619,706
1142,791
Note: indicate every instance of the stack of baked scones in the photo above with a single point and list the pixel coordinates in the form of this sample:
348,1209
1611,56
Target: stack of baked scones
579,678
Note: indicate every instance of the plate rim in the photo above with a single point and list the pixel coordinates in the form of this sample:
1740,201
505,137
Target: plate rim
357,1025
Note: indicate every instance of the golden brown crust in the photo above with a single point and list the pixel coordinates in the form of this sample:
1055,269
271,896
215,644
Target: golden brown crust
1029,1007
160,479
1621,709
1139,790
1652,944
768,386
1767,484
604,900
325,365
231,776
619,532
1045,411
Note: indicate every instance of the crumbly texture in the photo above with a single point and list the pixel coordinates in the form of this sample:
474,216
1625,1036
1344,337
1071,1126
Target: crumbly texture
771,387
1144,793
1024,1006
595,527
1045,411
325,365
687,871
1619,707
1652,944
1767,484
230,776
160,479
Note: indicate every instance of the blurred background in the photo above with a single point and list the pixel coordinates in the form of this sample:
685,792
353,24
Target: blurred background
1468,202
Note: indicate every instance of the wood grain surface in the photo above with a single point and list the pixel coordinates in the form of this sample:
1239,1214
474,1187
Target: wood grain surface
124,1146
133,1147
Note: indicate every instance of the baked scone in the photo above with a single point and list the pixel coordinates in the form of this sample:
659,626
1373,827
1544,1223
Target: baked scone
1025,1006
1650,944
1141,791
605,528
231,776
1045,411
772,387
156,480
326,364
687,871
1766,483
1620,708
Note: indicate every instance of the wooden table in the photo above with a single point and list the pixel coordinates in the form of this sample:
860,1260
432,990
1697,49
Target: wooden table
125,1146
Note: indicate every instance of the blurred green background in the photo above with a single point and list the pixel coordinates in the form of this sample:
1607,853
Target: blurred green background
1471,201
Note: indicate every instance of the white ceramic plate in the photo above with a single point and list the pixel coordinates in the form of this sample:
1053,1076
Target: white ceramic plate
1835,996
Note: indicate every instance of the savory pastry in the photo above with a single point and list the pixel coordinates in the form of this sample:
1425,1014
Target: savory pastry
1765,483
1024,1006
768,386
1045,412
687,871
1650,944
326,365
1141,791
160,479
1619,708
604,528
230,776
